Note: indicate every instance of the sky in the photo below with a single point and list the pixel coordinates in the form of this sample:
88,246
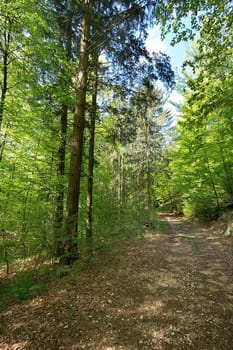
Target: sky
177,55
177,52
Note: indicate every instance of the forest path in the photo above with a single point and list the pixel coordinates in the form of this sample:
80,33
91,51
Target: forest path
163,291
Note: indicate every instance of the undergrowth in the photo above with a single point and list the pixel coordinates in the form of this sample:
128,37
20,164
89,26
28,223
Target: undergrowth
29,282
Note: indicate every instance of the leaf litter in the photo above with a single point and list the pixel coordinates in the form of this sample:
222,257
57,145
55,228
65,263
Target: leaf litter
162,291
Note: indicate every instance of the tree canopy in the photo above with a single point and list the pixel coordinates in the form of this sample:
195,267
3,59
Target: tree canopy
83,155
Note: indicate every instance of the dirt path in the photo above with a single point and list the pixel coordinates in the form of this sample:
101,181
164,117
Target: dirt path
169,291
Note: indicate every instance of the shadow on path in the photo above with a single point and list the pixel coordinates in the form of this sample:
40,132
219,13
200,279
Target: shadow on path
159,292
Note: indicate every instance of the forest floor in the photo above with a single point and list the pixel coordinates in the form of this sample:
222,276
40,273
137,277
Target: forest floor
160,291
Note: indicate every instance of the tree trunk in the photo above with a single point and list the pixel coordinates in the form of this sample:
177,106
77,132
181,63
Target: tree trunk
212,180
4,84
226,169
148,168
59,200
120,179
73,194
147,139
91,154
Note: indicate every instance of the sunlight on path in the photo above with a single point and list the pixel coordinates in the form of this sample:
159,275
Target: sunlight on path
161,292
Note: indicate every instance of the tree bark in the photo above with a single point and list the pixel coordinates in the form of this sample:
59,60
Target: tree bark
148,168
59,200
4,85
91,153
147,139
212,180
73,194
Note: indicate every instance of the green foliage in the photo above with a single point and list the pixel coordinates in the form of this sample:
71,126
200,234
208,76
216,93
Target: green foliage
30,129
132,174
171,16
26,282
62,271
199,173
23,286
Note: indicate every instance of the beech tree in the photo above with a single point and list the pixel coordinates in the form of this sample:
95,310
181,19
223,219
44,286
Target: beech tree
201,167
13,20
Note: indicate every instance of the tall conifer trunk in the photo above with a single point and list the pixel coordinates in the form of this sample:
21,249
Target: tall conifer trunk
73,194
148,169
59,200
91,153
